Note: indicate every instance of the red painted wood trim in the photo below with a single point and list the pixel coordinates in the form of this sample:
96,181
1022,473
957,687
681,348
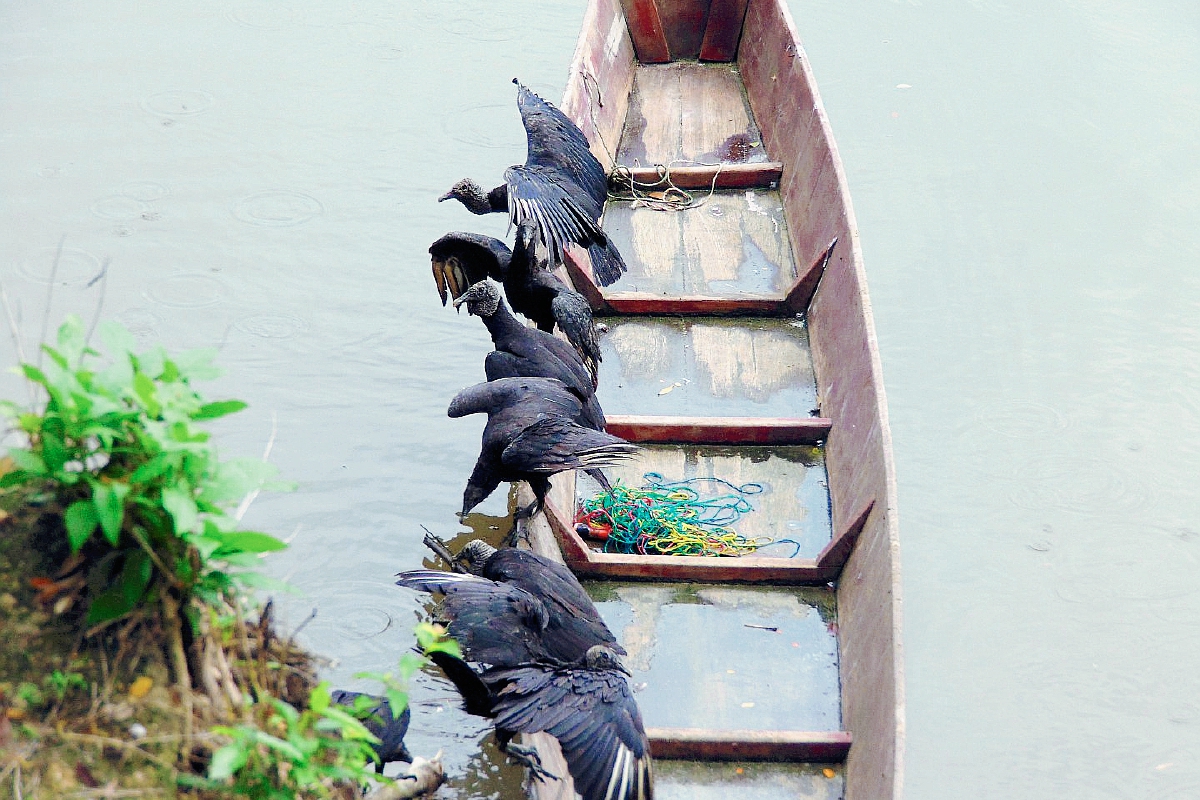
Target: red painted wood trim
835,554
639,303
646,31
825,747
757,175
580,272
711,569
718,430
724,30
805,286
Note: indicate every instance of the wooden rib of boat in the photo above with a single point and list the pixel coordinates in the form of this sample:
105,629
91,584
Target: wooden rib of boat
741,345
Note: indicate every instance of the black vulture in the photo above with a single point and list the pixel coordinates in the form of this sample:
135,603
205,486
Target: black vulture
381,722
531,434
524,352
568,621
524,676
460,260
561,187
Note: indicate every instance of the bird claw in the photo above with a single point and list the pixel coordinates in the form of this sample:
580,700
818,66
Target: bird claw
528,758
519,532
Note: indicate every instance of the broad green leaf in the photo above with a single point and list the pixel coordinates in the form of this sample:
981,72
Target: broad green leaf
250,542
227,760
182,508
287,748
205,545
397,701
57,357
218,409
319,698
81,522
170,373
14,478
143,387
348,726
109,500
28,461
244,560
34,374
237,478
197,364
117,340
156,467
71,339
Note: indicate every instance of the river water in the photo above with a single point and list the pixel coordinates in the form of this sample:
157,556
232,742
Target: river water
260,176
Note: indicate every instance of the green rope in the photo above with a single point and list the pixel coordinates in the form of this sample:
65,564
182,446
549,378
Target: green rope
671,518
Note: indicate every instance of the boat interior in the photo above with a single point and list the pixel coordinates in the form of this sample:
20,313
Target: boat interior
739,348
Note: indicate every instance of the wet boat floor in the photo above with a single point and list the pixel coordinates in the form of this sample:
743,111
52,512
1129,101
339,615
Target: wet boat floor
719,657
695,780
707,366
728,658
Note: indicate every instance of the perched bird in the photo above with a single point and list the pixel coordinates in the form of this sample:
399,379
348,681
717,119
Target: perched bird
551,665
460,260
531,434
568,623
381,722
561,187
524,352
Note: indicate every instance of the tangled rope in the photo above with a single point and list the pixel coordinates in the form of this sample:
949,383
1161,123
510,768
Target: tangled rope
661,194
670,518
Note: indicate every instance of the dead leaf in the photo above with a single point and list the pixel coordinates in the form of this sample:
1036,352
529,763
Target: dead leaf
667,390
828,773
140,687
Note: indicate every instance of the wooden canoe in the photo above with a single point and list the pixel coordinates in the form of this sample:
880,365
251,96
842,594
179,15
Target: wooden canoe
741,344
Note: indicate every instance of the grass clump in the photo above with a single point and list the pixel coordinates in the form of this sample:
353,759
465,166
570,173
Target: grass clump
132,657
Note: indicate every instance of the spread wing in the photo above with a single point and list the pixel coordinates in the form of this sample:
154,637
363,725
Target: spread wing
595,719
553,444
461,259
574,623
561,210
495,623
555,141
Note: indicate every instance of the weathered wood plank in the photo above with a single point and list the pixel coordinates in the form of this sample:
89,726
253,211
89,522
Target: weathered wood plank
756,175
801,293
689,112
837,552
646,30
683,23
643,303
719,430
789,112
723,31
742,745
601,79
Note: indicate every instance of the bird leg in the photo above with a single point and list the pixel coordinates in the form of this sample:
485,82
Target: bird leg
525,756
520,530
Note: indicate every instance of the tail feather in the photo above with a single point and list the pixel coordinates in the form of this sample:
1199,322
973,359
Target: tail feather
607,264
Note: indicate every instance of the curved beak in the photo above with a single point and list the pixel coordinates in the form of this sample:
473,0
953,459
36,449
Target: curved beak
462,298
446,196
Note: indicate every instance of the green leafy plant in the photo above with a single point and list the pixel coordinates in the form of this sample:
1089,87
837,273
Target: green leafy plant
144,499
287,752
284,752
60,683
